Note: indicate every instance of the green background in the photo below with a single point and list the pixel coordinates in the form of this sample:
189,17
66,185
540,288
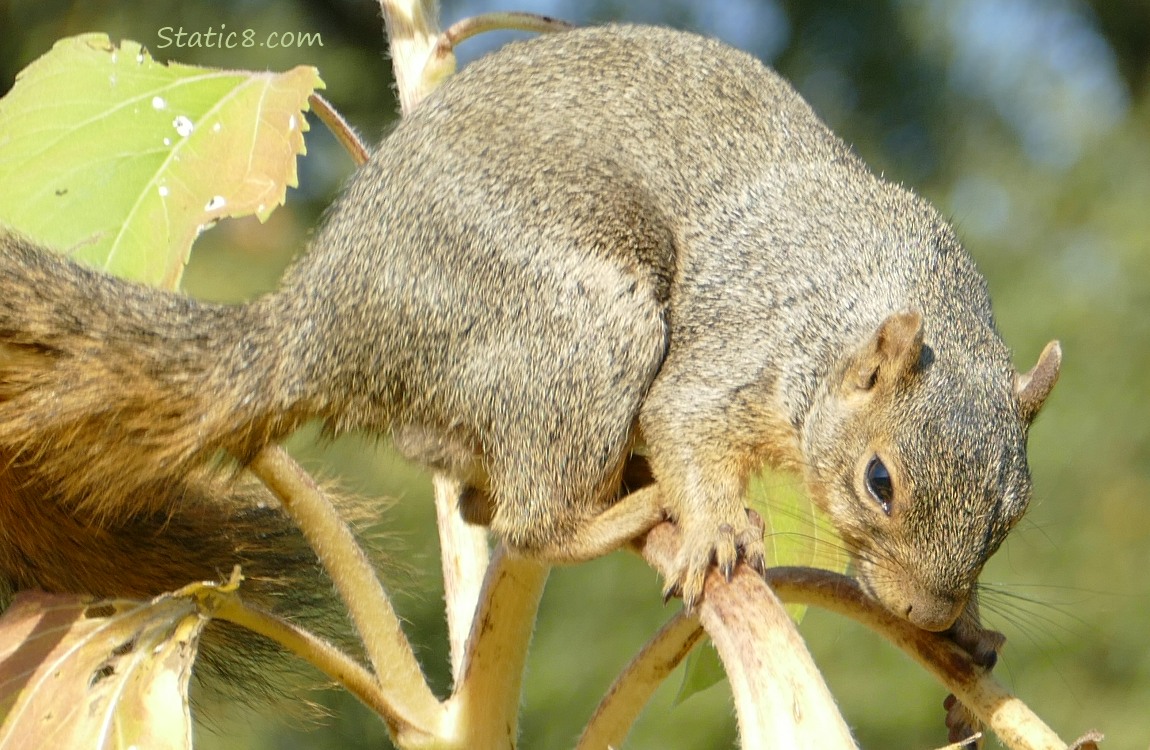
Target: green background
1027,122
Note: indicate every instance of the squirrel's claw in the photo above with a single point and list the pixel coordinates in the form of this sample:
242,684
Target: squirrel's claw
983,646
726,551
725,546
981,643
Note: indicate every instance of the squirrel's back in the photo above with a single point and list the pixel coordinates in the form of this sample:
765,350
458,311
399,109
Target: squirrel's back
767,214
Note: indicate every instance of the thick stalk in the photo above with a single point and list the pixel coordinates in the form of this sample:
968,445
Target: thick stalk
412,31
485,706
780,697
464,554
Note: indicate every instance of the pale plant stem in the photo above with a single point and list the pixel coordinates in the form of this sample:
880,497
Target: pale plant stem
635,685
484,709
318,652
1015,724
412,30
440,62
461,31
464,554
780,697
399,675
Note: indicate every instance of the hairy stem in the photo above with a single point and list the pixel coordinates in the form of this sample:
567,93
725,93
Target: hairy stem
1014,723
316,651
340,128
399,675
627,696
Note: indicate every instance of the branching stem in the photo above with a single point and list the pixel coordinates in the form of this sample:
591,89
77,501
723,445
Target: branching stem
780,697
315,650
1015,724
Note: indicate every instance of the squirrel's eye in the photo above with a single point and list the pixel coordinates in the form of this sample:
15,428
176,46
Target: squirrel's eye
878,484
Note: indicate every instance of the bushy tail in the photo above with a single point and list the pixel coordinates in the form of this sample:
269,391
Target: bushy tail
116,401
112,392
206,529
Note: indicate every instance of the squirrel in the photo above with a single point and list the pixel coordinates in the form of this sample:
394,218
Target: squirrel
583,243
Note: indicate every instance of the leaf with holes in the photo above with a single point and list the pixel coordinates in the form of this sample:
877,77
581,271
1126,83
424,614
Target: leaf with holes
81,673
796,535
140,156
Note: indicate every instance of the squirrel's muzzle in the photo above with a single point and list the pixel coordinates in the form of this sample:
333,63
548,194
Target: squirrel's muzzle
924,606
928,611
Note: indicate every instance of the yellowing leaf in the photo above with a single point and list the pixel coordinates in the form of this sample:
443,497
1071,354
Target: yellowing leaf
78,673
796,533
120,161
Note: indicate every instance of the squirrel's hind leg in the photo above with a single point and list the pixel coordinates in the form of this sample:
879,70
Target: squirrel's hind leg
633,515
555,449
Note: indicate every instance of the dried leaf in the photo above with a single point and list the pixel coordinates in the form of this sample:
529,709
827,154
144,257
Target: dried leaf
81,673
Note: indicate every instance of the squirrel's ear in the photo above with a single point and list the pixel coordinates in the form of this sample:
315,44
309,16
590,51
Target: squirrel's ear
1033,387
892,353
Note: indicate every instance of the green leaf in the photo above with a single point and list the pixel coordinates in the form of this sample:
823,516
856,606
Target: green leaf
795,535
703,669
120,161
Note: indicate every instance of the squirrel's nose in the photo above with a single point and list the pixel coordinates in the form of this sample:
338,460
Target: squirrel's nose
933,612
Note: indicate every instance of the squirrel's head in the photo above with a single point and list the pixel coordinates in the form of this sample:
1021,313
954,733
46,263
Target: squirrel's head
917,450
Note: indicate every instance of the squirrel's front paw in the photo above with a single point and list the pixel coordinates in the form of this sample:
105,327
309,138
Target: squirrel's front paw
723,543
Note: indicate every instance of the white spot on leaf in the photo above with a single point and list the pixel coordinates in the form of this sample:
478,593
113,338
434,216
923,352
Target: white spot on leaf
158,102
217,202
183,126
